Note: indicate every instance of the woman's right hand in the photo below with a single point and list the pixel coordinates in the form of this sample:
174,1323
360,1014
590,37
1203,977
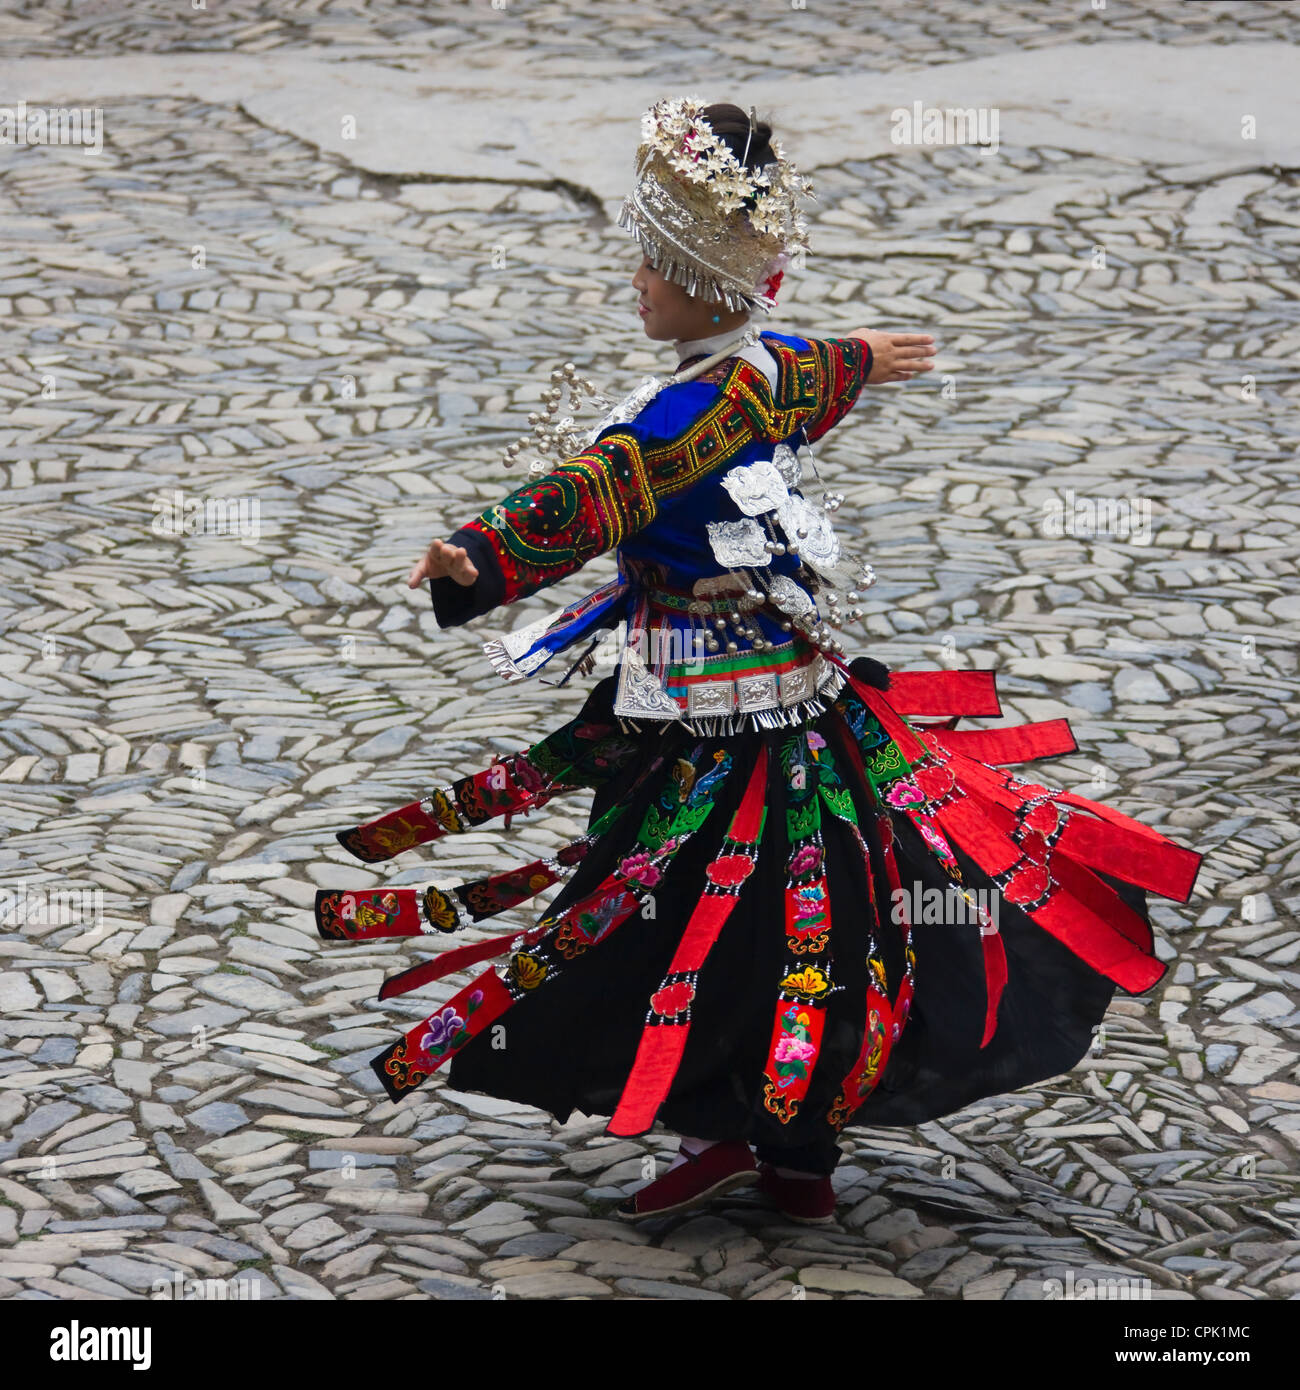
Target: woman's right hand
440,561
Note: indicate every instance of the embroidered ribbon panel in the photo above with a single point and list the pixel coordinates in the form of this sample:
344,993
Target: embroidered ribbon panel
883,1022
668,1022
378,912
682,807
577,754
806,984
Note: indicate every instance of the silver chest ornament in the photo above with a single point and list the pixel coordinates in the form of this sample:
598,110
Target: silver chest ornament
778,520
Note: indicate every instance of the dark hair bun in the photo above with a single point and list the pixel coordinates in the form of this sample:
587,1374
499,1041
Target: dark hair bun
731,125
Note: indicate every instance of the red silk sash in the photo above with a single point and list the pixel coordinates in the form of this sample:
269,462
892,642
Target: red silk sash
1049,738
945,693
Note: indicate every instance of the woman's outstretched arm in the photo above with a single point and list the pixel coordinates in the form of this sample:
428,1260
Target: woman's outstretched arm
553,525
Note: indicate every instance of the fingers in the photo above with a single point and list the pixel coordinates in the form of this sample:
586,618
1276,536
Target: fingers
442,560
458,566
429,566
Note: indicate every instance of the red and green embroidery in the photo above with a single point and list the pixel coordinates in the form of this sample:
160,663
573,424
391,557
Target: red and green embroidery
668,1022
816,386
577,754
884,1022
681,808
593,502
355,916
806,982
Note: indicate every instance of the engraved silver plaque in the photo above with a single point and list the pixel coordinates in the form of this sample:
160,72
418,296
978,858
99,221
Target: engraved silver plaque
789,597
787,465
797,685
738,543
756,488
710,697
819,547
757,692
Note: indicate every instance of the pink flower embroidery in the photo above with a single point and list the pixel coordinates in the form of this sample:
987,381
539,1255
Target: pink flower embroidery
903,794
808,902
639,868
804,860
936,841
526,776
792,1049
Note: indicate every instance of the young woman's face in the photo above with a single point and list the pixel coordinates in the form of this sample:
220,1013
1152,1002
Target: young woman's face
669,314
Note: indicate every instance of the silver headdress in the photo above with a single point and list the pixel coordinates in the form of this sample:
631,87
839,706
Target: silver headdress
688,209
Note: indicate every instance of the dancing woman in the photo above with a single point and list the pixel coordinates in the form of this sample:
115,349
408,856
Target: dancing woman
805,900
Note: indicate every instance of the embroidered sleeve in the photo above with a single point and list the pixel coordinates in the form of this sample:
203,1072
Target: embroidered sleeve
594,501
818,381
844,364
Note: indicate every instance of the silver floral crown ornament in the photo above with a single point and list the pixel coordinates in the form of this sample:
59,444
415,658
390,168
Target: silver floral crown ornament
688,213
688,210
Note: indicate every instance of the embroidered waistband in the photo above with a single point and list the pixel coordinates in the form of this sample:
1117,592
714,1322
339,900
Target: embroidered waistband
739,720
665,601
744,689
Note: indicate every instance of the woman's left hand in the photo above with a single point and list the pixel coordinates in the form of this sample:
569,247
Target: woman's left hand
897,356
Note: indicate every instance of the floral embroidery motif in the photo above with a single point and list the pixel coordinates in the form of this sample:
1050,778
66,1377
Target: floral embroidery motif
905,794
672,999
807,983
794,1050
375,913
640,868
882,1023
805,986
858,1088
439,910
447,1029
525,971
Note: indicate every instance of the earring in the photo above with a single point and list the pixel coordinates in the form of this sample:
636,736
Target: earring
717,319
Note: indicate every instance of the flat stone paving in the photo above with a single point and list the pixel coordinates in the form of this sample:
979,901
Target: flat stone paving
186,718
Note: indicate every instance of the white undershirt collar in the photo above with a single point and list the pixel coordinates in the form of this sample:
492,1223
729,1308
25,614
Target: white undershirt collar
706,347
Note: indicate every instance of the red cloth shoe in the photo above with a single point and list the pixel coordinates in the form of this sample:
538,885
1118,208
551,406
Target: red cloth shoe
703,1176
808,1200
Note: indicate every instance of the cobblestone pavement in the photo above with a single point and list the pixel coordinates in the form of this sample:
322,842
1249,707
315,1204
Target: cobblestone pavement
186,719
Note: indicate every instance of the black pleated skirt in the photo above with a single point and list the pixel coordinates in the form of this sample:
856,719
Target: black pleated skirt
571,1045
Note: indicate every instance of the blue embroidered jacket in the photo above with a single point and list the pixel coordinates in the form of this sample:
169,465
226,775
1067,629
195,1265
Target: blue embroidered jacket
680,492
